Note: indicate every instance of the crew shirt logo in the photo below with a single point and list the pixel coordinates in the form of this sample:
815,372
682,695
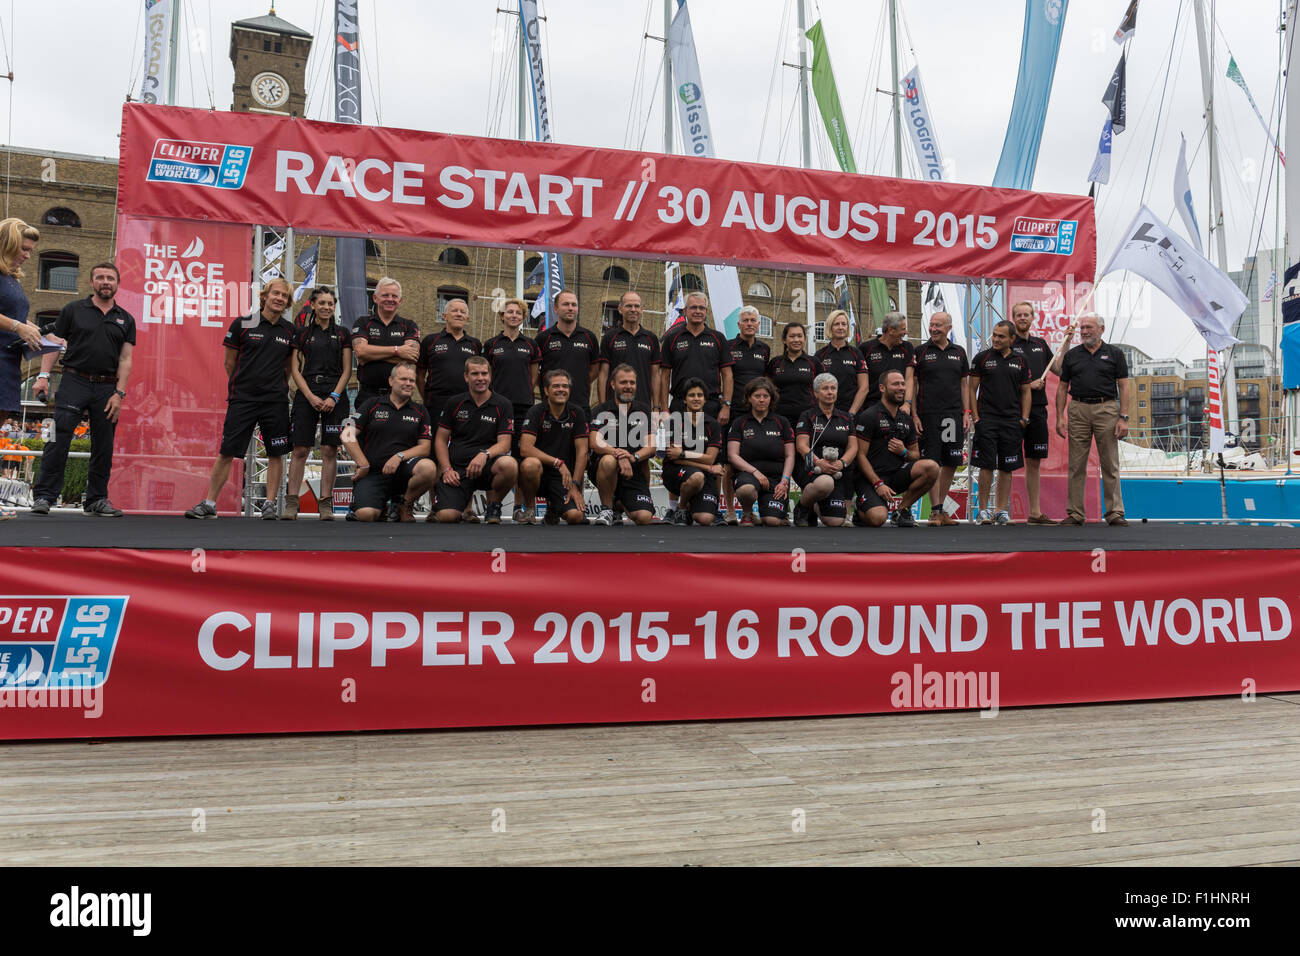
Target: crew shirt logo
58,640
1054,236
219,165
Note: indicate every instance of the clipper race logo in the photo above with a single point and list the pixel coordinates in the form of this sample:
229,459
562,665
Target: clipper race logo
220,165
57,641
1054,236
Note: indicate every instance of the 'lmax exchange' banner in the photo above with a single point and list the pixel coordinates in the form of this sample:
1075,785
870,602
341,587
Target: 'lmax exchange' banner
125,643
332,178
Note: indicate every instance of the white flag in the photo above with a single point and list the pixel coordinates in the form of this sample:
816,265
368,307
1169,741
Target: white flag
157,50
1165,259
1100,172
1183,196
273,252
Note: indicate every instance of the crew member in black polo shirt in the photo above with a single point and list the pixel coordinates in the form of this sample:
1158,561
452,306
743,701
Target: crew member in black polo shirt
844,360
321,400
382,339
690,349
890,469
554,447
1098,378
442,358
622,443
889,350
100,336
514,358
391,450
473,447
749,358
792,372
941,408
1038,354
570,346
760,448
825,451
632,344
999,384
691,469
259,361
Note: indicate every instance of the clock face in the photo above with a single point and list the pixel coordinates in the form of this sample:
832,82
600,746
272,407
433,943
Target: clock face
270,89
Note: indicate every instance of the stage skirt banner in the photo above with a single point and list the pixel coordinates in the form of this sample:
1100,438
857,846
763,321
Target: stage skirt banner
406,184
183,282
122,642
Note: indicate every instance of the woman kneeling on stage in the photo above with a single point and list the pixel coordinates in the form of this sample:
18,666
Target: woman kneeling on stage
760,447
827,449
691,470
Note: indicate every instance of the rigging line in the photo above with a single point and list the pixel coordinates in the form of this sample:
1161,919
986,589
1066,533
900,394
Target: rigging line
314,66
772,79
206,49
189,62
548,62
9,129
375,68
4,46
634,101
131,68
874,64
658,73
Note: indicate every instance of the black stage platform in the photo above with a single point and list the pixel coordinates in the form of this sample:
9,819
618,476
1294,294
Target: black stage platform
252,534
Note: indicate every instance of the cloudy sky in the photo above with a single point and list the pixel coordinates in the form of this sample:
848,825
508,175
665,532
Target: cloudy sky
448,65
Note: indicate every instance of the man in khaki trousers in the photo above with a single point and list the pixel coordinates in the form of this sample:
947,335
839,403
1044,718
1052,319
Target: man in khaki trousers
1096,375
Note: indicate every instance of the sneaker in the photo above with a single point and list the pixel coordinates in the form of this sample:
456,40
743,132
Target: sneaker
202,510
747,520
406,511
552,516
680,518
986,517
469,517
527,516
393,511
517,516
103,508
270,510
802,517
670,513
606,517
41,506
734,518
1002,518
903,518
492,514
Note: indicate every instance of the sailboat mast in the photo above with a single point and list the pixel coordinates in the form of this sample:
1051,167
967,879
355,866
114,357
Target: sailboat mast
174,44
805,160
898,112
668,79
522,131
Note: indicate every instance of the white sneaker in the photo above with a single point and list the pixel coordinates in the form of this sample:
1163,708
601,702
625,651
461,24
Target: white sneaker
1003,518
986,517
606,517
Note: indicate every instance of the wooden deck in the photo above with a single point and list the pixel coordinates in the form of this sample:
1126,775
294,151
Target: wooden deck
1200,782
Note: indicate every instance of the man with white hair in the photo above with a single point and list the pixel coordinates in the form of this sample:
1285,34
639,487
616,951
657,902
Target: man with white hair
889,352
1097,376
382,339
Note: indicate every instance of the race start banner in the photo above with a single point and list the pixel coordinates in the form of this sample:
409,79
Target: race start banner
405,184
130,643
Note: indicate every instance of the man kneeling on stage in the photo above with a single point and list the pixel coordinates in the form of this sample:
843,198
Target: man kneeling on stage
391,448
889,458
554,449
473,447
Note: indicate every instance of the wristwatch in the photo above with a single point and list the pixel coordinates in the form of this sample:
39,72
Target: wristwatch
119,393
1125,417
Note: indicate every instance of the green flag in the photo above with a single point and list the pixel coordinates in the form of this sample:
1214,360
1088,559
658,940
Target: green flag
828,102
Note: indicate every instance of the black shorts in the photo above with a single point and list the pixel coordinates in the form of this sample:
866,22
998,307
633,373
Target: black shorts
1036,433
458,497
769,506
836,504
551,489
868,498
998,443
705,500
242,416
521,412
376,489
365,393
305,419
943,438
634,493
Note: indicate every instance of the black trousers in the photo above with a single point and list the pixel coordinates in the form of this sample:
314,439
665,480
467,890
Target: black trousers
75,399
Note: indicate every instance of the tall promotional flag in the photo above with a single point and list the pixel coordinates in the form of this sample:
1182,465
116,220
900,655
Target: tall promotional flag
307,262
1214,400
1290,338
828,104
1234,74
697,137
1183,196
1100,172
157,50
553,265
1044,21
349,252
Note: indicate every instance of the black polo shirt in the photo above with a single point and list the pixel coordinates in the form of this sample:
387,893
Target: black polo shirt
322,350
939,374
1000,381
876,425
385,429
475,428
261,352
443,356
95,338
697,436
511,361
1093,376
880,359
762,444
628,427
1038,354
748,362
374,374
793,379
687,355
556,436
845,364
639,350
822,430
575,353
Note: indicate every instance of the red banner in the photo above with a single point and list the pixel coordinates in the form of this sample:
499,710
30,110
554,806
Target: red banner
183,282
334,178
176,642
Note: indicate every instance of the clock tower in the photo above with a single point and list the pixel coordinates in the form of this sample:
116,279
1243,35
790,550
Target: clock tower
270,60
